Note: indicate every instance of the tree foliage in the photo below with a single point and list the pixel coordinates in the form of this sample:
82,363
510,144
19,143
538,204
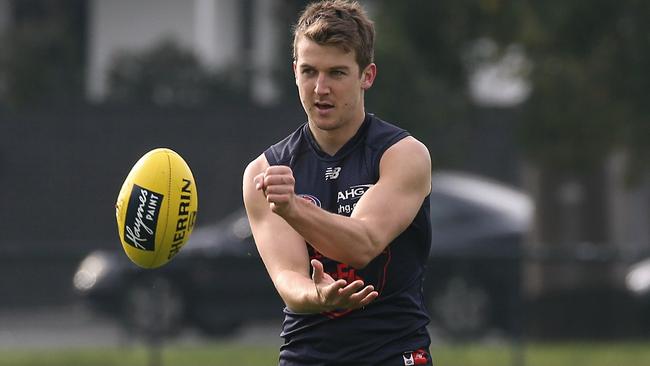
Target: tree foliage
165,74
41,54
588,76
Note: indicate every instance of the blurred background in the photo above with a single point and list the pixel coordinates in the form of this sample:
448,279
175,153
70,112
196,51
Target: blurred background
536,115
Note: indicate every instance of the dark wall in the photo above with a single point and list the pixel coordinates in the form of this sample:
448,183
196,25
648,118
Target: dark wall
61,170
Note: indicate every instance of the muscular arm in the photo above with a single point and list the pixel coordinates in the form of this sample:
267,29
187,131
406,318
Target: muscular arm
284,253
381,214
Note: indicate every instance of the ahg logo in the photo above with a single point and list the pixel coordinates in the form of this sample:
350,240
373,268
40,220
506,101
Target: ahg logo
353,192
347,200
332,173
141,218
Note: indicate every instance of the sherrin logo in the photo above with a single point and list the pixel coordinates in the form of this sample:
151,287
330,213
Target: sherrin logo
186,219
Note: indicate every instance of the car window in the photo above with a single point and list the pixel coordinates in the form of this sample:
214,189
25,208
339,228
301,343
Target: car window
447,211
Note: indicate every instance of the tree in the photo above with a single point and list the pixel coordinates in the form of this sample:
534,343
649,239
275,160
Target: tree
589,89
42,53
166,74
589,94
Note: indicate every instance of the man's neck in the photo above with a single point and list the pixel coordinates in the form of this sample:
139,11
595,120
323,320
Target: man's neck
331,141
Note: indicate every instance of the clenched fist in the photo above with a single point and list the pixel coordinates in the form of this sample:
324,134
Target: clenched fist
277,183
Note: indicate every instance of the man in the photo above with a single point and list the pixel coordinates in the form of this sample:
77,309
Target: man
339,208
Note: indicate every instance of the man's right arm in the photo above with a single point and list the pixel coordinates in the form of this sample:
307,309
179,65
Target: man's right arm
284,253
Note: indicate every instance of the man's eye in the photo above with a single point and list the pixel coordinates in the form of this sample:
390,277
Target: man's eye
307,71
338,73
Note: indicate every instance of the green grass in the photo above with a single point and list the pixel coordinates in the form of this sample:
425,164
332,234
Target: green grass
552,354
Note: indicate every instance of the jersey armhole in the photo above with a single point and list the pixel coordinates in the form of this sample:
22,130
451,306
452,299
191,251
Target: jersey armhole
270,156
380,153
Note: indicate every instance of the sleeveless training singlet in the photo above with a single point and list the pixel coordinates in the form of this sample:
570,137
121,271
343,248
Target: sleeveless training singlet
396,321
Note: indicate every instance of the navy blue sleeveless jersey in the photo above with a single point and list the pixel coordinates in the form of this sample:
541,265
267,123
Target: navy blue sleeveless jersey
396,321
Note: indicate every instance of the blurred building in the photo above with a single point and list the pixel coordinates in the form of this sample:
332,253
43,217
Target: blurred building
4,14
628,205
224,34
4,24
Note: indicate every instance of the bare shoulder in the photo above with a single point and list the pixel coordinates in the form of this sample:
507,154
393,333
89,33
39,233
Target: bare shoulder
408,151
253,169
408,162
410,145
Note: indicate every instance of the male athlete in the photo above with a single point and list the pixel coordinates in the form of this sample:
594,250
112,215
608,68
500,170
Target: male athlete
339,208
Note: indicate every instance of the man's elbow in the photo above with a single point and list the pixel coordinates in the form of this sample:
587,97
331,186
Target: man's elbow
359,263
371,247
362,258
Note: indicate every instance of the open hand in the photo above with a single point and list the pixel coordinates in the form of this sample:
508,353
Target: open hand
335,295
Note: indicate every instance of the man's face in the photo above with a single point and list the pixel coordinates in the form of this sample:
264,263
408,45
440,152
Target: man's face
330,85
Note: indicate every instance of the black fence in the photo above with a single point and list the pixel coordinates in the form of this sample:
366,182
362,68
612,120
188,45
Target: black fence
584,310
61,171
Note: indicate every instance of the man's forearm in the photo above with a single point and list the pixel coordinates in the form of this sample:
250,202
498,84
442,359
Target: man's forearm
298,292
337,237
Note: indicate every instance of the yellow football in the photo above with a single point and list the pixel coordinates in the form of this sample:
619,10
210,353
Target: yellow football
156,208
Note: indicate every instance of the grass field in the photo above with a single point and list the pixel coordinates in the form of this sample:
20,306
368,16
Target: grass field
224,354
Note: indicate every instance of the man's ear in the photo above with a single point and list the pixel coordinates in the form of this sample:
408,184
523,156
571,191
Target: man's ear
368,76
295,75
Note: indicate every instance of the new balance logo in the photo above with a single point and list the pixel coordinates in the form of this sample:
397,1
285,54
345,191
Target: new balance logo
332,173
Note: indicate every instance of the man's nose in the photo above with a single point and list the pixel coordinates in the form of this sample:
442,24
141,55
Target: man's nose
322,84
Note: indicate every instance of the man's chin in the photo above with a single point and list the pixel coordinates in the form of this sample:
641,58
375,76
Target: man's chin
327,122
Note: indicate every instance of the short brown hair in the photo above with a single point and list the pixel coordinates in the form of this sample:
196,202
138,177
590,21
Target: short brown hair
338,23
